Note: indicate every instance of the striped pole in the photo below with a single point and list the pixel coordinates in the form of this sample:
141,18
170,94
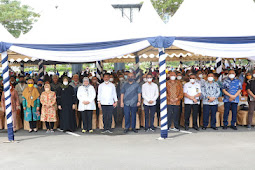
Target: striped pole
41,73
22,68
218,65
181,65
7,95
137,69
234,63
162,82
99,71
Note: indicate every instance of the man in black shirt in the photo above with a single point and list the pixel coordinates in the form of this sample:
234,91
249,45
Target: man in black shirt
251,92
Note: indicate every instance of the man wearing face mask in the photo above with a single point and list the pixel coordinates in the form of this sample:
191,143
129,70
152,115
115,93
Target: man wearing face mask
174,96
231,88
13,81
150,93
192,92
224,75
107,101
20,88
251,93
40,87
210,93
55,84
130,100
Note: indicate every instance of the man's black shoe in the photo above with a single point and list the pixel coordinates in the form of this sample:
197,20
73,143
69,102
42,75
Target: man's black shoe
134,130
203,128
225,127
233,127
196,128
215,128
186,128
126,131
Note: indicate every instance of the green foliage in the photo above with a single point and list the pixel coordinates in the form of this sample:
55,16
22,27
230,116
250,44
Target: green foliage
16,18
166,6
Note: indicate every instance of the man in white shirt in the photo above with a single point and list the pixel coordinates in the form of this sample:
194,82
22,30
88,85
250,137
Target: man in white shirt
107,100
192,92
150,94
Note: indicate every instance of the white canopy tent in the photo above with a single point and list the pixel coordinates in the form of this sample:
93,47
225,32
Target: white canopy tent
215,18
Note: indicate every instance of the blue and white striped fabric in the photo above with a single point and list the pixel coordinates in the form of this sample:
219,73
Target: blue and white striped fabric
7,95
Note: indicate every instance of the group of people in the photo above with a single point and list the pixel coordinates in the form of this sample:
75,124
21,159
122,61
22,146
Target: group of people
119,95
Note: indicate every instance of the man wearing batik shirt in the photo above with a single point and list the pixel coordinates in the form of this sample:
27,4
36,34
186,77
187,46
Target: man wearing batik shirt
231,88
174,96
210,94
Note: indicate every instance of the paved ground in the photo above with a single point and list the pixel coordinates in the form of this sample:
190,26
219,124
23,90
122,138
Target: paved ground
199,150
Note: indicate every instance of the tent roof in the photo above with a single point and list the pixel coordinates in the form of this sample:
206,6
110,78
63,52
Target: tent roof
213,18
89,21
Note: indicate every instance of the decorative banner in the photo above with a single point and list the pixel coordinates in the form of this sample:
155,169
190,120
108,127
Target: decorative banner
162,82
7,95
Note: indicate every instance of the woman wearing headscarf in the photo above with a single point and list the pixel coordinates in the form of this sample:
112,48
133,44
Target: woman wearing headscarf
31,105
86,95
15,106
48,115
66,105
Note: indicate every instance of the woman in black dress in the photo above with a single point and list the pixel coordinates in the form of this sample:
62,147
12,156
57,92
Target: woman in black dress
66,106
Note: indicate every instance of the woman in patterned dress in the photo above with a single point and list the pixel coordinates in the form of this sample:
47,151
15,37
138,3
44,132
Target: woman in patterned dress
48,112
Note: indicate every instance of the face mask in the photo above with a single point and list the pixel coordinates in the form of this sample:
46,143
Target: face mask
22,81
39,85
121,78
149,79
192,80
130,79
254,75
231,76
179,77
17,80
47,89
111,79
172,77
210,78
106,82
145,79
10,87
125,76
30,85
200,75
90,78
65,83
248,77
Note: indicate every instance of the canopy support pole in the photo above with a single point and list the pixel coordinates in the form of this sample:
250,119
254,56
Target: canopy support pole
41,72
218,65
22,68
162,82
137,69
7,95
99,71
181,63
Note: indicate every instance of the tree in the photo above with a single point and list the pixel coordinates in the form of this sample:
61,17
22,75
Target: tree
17,18
166,6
